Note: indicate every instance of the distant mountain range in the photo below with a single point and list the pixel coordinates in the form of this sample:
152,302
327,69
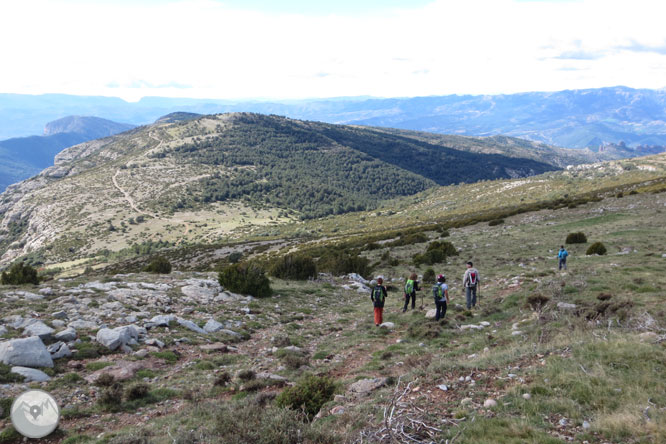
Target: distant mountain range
22,157
572,118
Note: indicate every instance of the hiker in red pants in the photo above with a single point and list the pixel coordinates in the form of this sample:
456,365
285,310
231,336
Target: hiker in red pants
378,296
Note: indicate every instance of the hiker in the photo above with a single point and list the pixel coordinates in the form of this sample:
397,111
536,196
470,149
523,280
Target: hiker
378,296
411,287
471,283
440,292
562,258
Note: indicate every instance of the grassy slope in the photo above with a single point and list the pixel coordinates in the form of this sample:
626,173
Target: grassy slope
588,365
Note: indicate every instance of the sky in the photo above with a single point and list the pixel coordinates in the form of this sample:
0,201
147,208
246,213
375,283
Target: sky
261,49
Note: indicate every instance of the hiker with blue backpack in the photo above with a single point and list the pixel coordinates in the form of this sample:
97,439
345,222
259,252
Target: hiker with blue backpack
471,281
562,258
378,297
440,292
411,287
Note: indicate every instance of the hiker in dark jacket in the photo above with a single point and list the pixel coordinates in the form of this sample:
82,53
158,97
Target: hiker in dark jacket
562,257
441,294
378,296
471,284
411,287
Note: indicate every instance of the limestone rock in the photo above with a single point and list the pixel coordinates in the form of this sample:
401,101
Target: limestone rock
490,403
28,352
162,320
191,326
31,374
365,386
67,335
565,306
212,326
430,314
388,325
59,350
81,324
39,329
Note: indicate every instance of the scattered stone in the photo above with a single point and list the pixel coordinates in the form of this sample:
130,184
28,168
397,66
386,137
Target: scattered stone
586,425
271,376
28,352
215,347
516,333
154,342
387,325
565,306
117,337
191,326
120,371
430,314
212,326
46,291
67,335
337,410
141,353
31,374
232,333
563,422
466,401
443,387
59,350
81,324
162,320
365,386
484,323
39,329
490,403
57,323
527,396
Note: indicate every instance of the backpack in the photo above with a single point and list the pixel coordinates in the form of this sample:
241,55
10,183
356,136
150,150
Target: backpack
409,287
472,278
437,292
563,254
378,294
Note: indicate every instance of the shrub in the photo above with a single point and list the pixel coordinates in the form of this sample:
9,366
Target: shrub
20,274
105,380
409,239
297,267
436,253
596,248
429,276
495,222
537,301
576,238
245,279
138,391
235,257
308,395
250,420
5,407
112,396
6,376
246,375
222,379
342,262
160,265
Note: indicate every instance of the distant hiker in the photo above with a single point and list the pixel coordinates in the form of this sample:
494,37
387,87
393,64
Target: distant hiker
440,291
378,296
411,287
471,283
562,257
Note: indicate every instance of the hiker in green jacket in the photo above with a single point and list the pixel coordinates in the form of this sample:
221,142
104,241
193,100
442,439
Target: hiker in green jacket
378,296
411,287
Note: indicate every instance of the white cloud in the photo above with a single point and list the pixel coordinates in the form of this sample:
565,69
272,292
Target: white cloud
204,49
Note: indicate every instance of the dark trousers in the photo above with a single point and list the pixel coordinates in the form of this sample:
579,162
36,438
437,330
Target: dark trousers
441,309
563,263
413,297
470,293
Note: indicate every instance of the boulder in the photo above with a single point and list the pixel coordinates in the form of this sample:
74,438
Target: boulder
117,337
387,325
430,314
59,315
3,330
28,352
191,326
162,320
565,306
39,329
200,293
81,324
67,335
365,386
31,374
212,326
59,350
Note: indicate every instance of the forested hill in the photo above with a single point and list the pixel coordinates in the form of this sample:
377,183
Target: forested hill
319,169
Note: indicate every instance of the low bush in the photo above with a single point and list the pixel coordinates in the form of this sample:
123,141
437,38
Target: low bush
159,265
408,239
308,395
296,267
112,396
495,222
222,379
253,420
537,301
596,248
429,276
576,238
19,274
138,391
6,376
245,279
343,262
5,407
436,253
235,257
246,375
